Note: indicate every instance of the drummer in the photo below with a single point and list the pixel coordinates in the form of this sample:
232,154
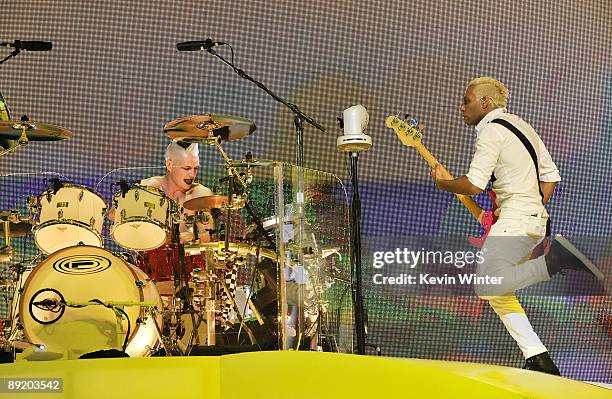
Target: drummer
179,184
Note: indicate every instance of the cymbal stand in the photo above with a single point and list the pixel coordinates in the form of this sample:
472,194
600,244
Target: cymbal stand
6,251
237,194
23,139
5,115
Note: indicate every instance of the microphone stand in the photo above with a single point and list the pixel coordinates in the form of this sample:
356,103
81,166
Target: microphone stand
294,108
5,115
299,119
11,55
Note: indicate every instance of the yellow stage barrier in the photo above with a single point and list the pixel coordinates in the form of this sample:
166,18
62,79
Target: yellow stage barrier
308,375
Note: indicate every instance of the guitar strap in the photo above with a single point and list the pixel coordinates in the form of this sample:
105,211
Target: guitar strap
532,154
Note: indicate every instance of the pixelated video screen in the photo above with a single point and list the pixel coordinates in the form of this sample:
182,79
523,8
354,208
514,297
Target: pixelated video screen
115,77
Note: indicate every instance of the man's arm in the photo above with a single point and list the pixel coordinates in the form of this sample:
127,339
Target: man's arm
460,185
548,188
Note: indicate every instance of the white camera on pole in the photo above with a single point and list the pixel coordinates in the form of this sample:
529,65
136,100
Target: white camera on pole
353,122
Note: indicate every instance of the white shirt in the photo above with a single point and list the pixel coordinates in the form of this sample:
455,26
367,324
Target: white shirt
500,152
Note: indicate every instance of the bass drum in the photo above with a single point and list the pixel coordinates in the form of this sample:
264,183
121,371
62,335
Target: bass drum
80,275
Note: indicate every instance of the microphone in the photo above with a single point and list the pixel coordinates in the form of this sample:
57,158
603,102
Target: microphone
29,45
55,184
47,304
124,187
198,45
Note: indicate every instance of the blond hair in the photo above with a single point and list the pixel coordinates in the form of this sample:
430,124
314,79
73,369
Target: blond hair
492,88
176,150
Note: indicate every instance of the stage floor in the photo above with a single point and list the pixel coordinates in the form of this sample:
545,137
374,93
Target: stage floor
289,375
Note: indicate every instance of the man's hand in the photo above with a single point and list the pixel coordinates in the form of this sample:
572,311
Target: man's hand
444,182
438,173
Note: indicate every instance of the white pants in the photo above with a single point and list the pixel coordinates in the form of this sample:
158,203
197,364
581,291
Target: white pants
506,252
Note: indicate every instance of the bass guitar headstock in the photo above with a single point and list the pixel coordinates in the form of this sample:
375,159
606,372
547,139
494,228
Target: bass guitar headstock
408,130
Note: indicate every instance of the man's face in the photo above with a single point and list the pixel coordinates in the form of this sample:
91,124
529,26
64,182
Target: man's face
182,171
472,108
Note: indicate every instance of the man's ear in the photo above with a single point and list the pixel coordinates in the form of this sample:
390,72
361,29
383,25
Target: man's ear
168,165
484,102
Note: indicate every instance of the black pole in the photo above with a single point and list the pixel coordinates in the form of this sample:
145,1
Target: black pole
360,325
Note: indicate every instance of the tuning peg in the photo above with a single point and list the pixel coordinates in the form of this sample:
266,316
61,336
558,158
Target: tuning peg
421,127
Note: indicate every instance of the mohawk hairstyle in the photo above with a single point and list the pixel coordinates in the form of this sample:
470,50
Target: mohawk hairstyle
492,88
178,148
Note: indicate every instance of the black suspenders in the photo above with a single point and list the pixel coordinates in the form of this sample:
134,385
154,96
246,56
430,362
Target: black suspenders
531,152
527,145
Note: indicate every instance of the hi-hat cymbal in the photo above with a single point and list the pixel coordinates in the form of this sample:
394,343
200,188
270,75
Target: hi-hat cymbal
36,131
198,128
206,203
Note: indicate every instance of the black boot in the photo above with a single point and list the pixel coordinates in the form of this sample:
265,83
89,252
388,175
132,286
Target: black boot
563,256
542,363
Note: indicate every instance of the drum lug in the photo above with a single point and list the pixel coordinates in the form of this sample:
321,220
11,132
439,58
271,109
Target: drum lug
92,222
49,196
139,283
81,196
162,201
122,214
60,214
149,212
136,195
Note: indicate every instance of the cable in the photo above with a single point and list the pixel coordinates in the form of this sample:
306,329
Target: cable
129,324
115,308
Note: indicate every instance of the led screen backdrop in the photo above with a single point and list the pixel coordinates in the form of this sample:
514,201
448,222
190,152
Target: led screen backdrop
114,78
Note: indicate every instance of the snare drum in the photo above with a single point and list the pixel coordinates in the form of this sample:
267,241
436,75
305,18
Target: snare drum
71,215
162,264
142,218
81,274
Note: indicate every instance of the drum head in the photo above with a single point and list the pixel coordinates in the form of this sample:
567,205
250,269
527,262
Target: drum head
53,236
139,235
80,274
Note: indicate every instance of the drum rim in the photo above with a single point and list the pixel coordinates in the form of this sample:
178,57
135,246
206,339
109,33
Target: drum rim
73,222
73,185
151,189
165,228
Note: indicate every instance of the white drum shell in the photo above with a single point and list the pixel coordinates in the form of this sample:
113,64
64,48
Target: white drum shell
72,215
142,218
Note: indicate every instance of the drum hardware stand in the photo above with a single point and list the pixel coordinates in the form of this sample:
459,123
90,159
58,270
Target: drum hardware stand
6,218
153,311
182,283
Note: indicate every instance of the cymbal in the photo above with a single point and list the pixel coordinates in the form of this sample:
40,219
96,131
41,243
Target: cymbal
198,128
36,131
206,203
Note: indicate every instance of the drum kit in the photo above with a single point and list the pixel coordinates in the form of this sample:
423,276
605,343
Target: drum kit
162,295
